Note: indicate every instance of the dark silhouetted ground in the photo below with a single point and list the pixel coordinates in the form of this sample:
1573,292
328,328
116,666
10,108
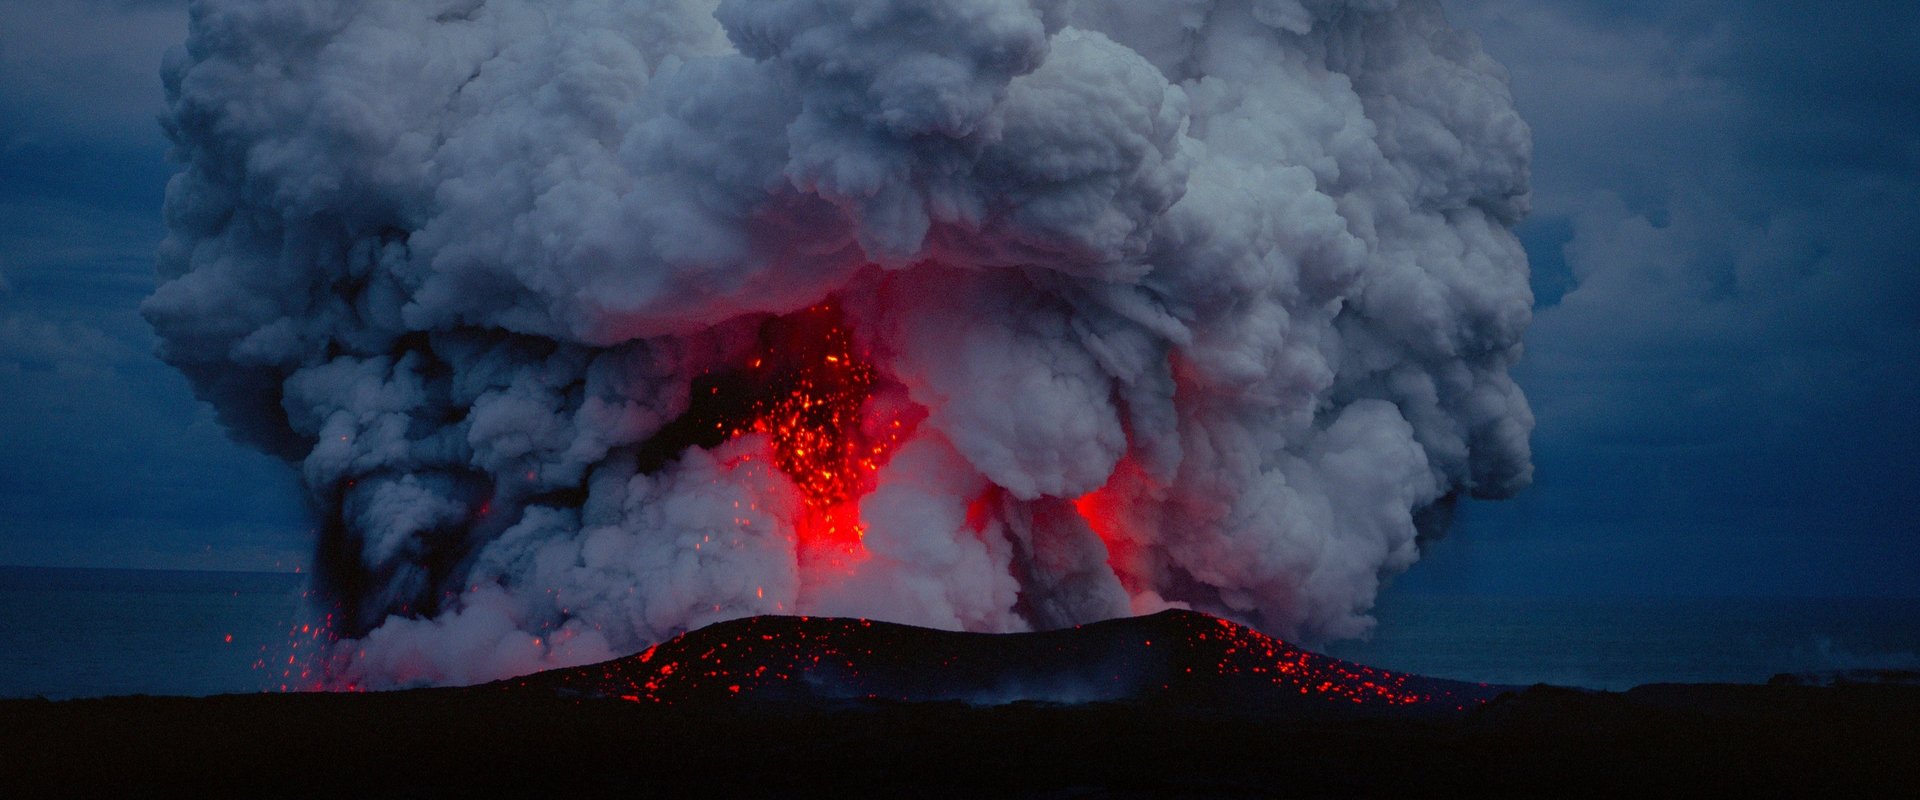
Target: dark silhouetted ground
1224,731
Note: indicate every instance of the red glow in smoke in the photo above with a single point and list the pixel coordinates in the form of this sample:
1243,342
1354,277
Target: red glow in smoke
814,420
1101,509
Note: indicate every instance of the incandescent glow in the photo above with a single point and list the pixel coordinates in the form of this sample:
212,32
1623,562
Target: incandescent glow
819,388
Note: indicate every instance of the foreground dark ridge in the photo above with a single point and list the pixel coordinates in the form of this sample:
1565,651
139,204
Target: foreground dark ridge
1765,741
1174,704
1174,656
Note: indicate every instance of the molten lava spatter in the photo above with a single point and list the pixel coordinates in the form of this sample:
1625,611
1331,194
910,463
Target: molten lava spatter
813,387
308,665
1171,656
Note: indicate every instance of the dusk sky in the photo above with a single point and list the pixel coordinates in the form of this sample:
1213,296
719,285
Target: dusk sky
1723,240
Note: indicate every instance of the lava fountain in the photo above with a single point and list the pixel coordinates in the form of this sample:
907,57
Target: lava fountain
808,390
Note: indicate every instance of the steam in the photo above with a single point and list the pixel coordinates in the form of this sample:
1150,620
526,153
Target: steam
1178,303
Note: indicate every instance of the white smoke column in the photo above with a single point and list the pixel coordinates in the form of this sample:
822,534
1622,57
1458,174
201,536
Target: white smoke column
1193,303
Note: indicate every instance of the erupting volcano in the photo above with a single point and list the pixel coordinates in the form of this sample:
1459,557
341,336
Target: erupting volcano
590,324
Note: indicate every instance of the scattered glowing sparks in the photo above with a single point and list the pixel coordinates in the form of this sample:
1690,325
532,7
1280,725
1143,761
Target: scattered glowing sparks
814,421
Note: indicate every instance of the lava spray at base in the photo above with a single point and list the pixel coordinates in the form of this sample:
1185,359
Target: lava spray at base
589,323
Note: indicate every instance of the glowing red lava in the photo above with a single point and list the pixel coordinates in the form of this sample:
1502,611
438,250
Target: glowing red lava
307,666
821,386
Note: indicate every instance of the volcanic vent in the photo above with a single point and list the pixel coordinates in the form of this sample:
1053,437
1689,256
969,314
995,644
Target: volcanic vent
808,389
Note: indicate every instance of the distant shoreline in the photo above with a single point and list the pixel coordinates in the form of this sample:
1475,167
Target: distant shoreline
115,579
1386,597
6,569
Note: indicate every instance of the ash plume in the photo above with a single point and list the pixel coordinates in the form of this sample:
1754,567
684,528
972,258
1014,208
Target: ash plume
590,322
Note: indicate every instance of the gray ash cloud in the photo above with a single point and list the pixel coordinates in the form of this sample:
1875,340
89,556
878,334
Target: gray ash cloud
1180,303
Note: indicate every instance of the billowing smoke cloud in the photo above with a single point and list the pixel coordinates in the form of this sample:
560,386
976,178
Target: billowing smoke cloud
1153,302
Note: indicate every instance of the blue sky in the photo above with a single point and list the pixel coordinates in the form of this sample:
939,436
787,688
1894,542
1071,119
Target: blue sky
1724,244
105,457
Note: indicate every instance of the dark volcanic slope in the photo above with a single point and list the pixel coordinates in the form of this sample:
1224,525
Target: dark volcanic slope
1173,656
1199,708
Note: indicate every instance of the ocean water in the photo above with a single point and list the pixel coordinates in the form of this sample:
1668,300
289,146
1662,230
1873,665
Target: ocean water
83,633
92,632
1619,643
